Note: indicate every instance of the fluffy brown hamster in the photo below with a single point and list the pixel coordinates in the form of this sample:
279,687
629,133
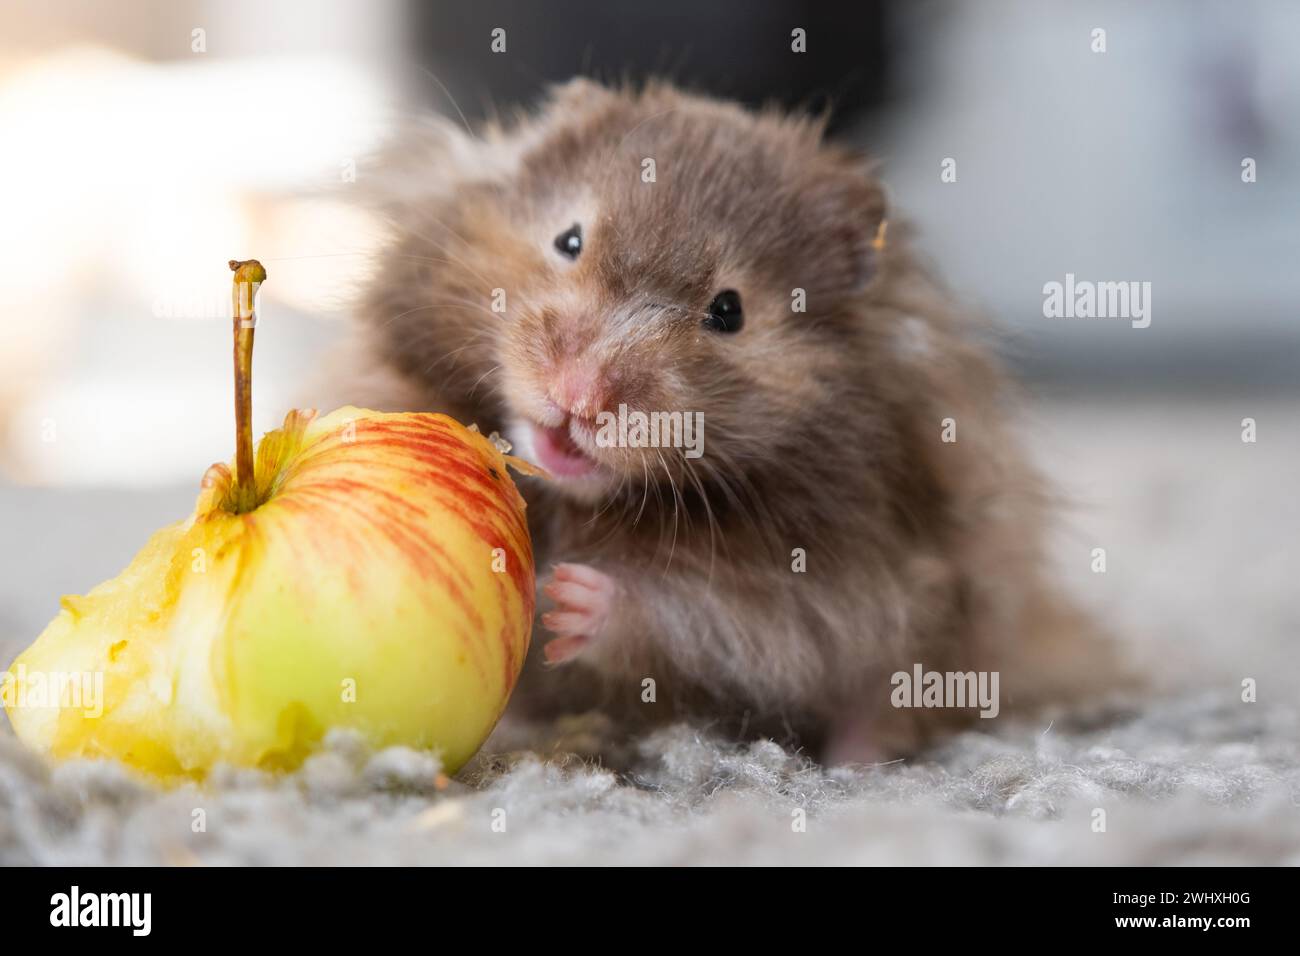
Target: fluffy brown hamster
858,506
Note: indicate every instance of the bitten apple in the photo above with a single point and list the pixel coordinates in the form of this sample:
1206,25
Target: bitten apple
371,571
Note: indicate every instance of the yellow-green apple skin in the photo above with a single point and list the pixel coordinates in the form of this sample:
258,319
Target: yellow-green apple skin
384,582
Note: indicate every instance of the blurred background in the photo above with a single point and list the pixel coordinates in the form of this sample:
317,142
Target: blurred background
145,142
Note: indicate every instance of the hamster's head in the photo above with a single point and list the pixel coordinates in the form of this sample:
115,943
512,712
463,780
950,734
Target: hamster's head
652,287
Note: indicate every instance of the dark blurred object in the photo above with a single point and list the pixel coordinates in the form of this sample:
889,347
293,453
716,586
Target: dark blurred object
736,51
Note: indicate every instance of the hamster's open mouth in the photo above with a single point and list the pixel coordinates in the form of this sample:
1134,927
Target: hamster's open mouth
559,454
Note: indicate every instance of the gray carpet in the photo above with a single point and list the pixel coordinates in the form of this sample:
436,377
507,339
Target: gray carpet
1200,532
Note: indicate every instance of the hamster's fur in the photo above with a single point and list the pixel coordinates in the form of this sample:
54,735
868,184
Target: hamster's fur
829,536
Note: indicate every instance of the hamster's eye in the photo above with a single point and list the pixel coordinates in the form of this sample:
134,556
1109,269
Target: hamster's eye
569,242
724,312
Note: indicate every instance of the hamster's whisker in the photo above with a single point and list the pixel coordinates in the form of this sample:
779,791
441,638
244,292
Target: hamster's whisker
750,506
400,315
453,259
659,498
429,368
469,304
708,512
477,338
479,380
677,509
451,99
616,495
441,246
645,490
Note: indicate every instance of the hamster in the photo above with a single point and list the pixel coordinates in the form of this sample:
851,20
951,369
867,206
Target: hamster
857,507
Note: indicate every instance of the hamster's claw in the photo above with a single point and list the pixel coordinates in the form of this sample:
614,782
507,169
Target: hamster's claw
561,649
583,600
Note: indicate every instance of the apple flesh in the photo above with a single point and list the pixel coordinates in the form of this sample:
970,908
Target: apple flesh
383,582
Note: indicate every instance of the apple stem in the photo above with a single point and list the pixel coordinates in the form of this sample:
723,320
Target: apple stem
249,275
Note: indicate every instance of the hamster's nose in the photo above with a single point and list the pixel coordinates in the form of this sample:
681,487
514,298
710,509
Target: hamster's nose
577,388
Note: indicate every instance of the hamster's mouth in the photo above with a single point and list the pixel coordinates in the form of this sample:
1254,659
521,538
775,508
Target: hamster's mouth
559,454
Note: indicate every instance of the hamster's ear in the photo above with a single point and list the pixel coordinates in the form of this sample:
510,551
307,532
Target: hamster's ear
851,207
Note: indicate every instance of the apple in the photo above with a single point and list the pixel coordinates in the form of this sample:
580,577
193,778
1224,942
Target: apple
363,570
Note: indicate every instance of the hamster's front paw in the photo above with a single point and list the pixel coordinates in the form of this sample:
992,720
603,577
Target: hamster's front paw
583,600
